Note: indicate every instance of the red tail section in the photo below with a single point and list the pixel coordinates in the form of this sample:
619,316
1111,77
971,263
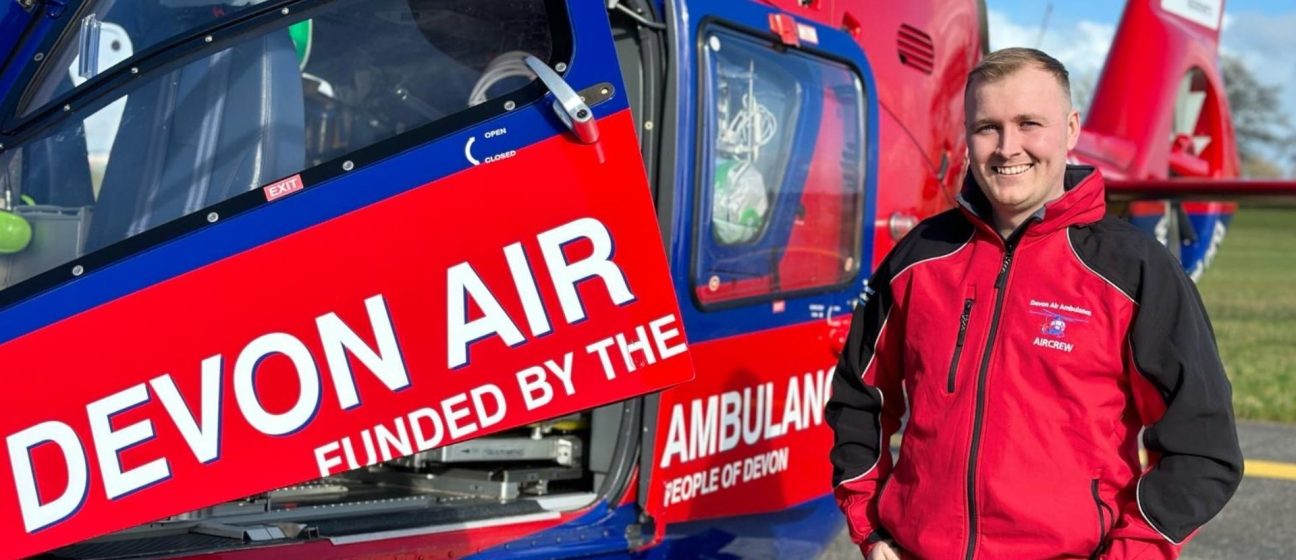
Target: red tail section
1160,108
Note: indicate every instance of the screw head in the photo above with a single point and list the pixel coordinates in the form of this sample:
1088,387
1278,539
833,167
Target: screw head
78,270
67,107
348,165
39,57
212,217
134,70
510,105
207,39
284,11
560,67
648,125
582,114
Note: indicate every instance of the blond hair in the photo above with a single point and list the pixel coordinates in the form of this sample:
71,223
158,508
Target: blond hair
1004,62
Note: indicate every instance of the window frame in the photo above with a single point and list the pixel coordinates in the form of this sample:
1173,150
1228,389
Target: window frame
68,35
701,231
146,60
106,88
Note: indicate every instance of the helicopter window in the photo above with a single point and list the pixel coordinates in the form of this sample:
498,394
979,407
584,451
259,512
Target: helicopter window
117,30
355,73
783,157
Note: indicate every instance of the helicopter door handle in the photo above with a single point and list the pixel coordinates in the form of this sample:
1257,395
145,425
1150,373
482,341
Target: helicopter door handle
571,109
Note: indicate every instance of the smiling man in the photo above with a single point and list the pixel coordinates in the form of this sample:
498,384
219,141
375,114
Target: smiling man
1020,127
1031,339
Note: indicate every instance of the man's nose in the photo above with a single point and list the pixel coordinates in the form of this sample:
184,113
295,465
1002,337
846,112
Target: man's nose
1009,143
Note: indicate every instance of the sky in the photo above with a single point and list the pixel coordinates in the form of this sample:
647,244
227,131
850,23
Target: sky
1260,32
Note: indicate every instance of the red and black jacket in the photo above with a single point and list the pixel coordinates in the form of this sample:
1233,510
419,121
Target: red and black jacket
1028,367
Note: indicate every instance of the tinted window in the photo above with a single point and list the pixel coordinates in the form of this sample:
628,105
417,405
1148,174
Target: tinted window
782,185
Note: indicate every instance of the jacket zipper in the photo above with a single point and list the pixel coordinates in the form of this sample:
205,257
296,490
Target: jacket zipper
1000,284
958,346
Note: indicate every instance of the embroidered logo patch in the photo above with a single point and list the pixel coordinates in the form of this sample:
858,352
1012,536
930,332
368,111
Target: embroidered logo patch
1057,319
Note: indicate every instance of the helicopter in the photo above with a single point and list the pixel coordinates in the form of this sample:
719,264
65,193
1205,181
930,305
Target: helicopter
519,278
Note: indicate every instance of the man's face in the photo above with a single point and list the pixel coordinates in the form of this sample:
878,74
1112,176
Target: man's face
1019,131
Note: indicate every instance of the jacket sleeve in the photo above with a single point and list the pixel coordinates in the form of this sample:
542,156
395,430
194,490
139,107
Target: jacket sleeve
865,408
1184,401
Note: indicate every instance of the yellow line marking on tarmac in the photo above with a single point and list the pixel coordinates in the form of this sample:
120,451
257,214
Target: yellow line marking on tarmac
1271,469
1256,468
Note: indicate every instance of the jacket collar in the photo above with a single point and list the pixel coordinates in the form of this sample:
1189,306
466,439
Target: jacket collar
1084,202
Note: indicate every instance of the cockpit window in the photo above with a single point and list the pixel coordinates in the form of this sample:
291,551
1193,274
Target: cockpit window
283,98
112,31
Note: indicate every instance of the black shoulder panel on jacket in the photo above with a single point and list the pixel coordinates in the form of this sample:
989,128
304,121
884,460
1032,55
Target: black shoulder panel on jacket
938,235
1115,250
1173,346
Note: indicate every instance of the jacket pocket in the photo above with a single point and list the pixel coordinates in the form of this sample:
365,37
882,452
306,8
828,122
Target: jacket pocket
958,345
1106,517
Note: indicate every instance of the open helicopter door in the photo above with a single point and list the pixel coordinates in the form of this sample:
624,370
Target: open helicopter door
413,273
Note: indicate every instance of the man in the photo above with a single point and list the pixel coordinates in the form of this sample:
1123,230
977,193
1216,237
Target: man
1030,338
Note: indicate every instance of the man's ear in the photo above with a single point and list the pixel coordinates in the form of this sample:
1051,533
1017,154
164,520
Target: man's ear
1073,129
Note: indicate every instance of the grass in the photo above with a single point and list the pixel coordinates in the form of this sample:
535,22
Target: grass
1250,297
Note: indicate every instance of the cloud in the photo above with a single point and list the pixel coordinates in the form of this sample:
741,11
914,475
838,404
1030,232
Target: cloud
1082,46
1264,42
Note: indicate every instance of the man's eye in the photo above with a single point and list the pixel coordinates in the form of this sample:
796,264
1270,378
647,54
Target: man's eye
983,129
1030,124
